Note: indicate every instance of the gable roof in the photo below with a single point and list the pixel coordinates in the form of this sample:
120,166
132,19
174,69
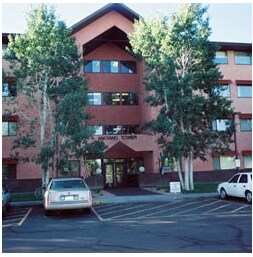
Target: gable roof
121,8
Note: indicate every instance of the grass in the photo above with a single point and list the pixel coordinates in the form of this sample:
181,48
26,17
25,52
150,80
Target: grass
23,197
198,188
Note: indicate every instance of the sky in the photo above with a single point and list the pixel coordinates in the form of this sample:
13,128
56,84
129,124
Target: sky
230,22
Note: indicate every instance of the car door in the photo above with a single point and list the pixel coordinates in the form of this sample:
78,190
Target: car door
242,185
231,187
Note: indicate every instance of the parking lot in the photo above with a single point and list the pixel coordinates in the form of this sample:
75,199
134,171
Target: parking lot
16,216
197,208
206,224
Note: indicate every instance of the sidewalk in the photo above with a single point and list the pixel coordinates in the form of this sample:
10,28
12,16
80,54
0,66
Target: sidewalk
106,197
148,198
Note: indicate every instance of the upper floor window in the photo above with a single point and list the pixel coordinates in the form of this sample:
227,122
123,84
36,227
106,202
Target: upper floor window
128,67
222,90
221,125
94,99
221,57
246,124
9,128
243,58
9,89
92,66
110,66
244,90
129,99
111,98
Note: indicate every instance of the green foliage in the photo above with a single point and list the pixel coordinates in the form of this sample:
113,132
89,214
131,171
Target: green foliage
181,76
47,67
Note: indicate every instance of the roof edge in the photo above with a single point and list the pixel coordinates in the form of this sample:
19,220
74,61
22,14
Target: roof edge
119,7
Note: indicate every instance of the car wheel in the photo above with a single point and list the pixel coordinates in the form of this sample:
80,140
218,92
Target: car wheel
248,196
87,210
223,194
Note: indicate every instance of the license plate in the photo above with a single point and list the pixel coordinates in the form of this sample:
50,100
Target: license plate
69,198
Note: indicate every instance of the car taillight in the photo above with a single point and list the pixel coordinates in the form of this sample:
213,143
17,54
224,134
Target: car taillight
89,197
48,199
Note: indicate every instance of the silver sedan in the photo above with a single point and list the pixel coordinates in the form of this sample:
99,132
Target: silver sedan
67,193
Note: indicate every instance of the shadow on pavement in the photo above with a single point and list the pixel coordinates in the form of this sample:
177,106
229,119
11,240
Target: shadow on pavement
130,191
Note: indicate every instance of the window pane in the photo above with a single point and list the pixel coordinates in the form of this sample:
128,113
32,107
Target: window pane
94,99
111,98
5,128
92,66
227,162
244,91
12,128
113,130
221,57
98,130
129,99
110,66
246,125
128,67
242,58
216,163
222,90
130,129
247,162
221,125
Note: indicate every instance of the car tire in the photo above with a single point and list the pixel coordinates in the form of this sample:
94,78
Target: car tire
87,210
248,196
223,194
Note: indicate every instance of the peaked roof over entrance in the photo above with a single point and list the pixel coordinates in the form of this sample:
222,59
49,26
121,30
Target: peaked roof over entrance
120,8
111,24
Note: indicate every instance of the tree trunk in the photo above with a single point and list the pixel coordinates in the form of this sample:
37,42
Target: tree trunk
180,174
191,172
186,174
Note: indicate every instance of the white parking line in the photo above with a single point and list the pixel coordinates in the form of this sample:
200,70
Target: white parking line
215,209
125,209
16,219
238,209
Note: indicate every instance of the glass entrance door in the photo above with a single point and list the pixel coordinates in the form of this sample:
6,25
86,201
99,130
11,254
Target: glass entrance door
115,174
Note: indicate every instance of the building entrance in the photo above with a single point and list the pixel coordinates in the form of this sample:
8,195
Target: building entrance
115,174
121,172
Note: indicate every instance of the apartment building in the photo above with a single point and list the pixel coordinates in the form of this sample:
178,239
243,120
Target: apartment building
118,110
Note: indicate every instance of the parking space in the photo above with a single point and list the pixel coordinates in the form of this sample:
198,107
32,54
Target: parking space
187,208
16,216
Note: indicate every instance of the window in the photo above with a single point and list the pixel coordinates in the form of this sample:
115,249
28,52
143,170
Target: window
243,58
224,162
244,91
113,130
92,66
128,67
94,99
243,179
221,125
111,98
247,160
98,130
9,89
222,90
9,171
110,66
246,124
129,99
130,129
221,57
9,128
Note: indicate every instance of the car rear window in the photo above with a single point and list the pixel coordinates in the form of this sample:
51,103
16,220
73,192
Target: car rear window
67,184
